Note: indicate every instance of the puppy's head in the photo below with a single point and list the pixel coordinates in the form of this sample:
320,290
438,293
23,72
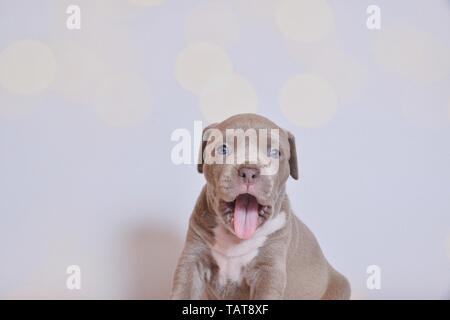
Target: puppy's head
246,160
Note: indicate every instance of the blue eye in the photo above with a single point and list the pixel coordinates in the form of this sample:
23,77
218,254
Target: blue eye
274,153
223,150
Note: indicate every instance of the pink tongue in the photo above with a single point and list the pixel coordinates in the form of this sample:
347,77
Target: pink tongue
245,216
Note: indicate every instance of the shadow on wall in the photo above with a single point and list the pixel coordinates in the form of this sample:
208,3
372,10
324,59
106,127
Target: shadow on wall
153,254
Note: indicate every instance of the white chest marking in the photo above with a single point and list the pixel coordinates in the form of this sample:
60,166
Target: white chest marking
232,254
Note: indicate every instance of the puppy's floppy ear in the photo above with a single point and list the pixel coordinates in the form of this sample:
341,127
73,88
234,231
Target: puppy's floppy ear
293,165
202,147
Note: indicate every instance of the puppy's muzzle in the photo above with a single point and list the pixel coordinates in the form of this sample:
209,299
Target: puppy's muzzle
249,175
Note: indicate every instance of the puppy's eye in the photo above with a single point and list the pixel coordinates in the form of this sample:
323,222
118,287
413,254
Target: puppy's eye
274,153
223,150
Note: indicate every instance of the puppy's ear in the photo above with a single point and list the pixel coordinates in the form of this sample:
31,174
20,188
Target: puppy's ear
202,147
293,165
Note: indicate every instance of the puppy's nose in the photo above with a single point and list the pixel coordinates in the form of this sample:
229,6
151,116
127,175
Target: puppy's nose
248,174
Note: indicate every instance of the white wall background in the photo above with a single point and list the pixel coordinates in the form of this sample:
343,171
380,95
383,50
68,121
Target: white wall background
86,117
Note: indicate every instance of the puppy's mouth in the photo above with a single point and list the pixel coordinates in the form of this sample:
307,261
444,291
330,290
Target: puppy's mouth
245,214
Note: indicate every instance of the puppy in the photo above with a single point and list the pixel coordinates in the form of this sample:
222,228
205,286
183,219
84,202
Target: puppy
243,241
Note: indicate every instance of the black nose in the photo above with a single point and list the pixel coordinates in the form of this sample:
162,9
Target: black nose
248,174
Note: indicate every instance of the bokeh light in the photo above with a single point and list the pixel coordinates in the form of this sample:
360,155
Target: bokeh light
304,20
27,67
341,70
81,70
412,54
213,22
199,63
225,96
308,100
256,10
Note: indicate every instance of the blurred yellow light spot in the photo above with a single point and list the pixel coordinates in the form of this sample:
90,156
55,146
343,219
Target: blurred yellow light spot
123,100
304,20
258,10
412,54
81,70
226,96
343,72
27,67
199,63
212,22
308,100
330,60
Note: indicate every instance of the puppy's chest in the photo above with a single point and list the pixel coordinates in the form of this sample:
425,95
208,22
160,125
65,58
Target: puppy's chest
233,260
236,259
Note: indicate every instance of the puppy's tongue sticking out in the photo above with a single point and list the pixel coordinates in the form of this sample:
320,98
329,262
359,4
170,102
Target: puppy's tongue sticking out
245,216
